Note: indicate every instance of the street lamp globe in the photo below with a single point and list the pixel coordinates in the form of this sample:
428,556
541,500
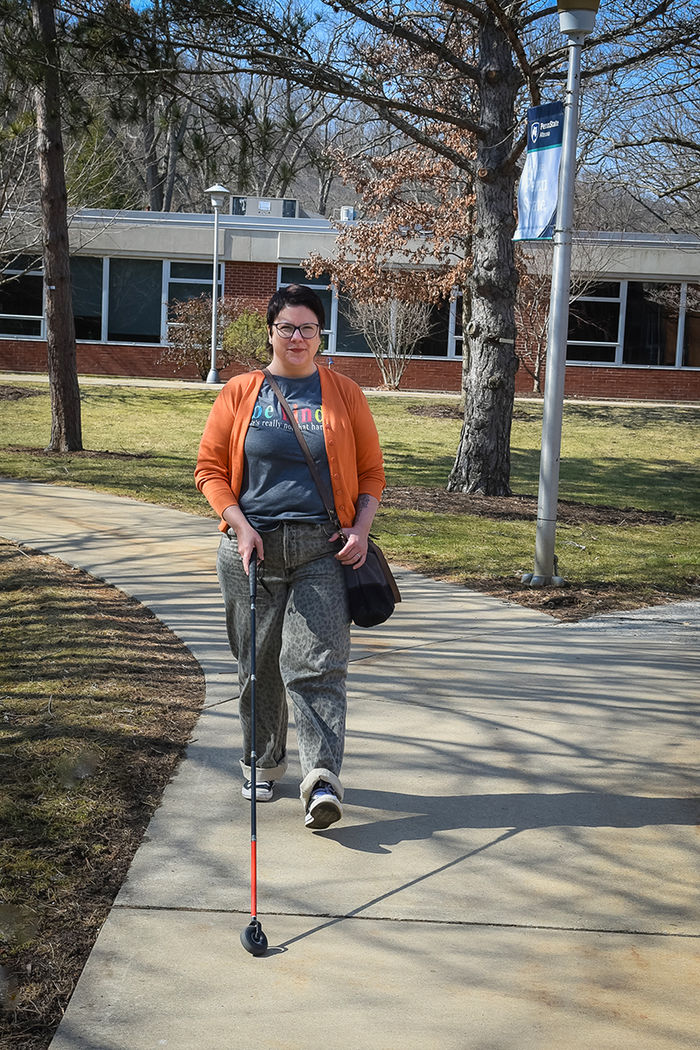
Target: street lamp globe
577,17
217,195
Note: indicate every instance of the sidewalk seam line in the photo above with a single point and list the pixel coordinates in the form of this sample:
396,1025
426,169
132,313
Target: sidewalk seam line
218,703
388,918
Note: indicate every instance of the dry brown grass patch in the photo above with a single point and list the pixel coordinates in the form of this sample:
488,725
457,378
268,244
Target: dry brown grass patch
97,701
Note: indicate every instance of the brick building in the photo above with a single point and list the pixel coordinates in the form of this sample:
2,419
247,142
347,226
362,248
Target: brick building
635,333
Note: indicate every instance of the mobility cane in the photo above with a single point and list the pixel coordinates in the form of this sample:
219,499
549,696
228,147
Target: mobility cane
252,938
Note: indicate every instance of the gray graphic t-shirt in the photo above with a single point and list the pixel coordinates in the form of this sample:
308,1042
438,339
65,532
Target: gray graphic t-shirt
277,484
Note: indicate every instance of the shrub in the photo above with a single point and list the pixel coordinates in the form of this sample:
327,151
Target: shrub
393,329
245,339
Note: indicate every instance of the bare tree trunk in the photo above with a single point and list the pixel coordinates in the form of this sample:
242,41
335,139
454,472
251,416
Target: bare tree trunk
60,328
154,181
325,181
175,139
483,457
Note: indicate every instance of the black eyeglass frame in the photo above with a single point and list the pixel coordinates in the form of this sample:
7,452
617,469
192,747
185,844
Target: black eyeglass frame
297,328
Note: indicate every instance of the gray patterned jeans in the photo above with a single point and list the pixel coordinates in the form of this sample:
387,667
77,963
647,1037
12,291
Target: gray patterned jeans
303,645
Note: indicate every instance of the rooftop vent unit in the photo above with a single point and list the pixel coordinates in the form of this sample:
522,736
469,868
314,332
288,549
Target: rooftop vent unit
266,207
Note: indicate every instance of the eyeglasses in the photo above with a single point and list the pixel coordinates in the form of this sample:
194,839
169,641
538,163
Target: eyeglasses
306,331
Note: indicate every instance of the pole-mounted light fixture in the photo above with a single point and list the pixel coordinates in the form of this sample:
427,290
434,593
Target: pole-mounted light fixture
577,16
217,196
576,20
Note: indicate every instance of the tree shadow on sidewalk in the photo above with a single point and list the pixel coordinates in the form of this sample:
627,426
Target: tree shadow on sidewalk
518,811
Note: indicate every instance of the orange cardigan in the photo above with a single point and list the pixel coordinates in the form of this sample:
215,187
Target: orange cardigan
349,431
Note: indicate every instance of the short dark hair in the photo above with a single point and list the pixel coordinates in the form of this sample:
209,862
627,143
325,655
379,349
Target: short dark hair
295,295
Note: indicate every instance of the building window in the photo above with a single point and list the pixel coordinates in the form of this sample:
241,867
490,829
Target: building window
349,340
114,300
689,338
651,323
21,298
594,323
188,280
455,334
445,339
436,343
135,295
643,323
86,286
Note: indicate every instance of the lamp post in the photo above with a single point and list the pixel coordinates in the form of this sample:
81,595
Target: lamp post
217,195
576,20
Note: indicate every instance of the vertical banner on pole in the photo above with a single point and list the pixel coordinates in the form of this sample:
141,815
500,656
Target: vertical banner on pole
537,192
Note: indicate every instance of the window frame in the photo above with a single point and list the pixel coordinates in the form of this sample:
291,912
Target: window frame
165,323
619,361
456,299
15,272
103,298
106,277
618,345
455,343
166,281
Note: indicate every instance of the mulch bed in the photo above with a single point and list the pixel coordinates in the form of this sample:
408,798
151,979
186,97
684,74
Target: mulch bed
572,603
566,603
17,393
84,453
451,412
523,508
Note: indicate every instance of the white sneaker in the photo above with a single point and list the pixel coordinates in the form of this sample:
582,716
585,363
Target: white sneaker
324,807
263,790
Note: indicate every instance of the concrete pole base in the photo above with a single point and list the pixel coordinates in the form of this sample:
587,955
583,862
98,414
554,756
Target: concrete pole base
531,580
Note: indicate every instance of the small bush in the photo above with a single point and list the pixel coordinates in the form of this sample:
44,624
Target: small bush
245,339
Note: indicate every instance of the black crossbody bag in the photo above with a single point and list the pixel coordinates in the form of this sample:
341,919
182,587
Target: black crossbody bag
372,590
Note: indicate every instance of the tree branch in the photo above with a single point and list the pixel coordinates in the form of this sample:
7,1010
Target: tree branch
434,144
471,9
633,26
342,86
394,28
668,140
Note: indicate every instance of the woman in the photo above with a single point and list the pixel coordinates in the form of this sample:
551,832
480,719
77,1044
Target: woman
252,470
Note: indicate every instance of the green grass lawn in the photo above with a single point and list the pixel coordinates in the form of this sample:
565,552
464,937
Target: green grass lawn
639,457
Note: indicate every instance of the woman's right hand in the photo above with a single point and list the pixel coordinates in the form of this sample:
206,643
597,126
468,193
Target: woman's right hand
248,539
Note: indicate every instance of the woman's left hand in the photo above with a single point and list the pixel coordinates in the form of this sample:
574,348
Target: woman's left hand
354,552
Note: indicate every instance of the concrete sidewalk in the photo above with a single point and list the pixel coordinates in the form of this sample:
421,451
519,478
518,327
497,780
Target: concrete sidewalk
517,866
433,395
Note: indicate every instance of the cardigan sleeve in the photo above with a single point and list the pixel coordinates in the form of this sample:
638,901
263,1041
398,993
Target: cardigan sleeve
213,474
370,467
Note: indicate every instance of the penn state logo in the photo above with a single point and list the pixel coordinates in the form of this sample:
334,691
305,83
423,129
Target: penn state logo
535,132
